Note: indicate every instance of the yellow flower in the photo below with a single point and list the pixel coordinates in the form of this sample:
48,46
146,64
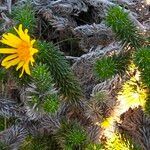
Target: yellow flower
21,51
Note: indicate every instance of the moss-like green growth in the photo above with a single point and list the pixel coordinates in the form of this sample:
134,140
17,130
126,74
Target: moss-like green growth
42,90
75,137
71,136
142,60
122,61
60,71
145,76
42,78
51,104
124,28
105,68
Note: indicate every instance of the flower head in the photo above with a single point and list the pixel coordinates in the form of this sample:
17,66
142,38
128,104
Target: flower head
21,51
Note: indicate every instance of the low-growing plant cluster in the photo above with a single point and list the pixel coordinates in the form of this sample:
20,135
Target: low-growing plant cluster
53,54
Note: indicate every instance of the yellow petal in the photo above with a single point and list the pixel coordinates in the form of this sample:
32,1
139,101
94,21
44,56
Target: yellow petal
10,57
32,59
26,31
21,73
107,122
20,64
33,50
23,35
32,42
19,30
8,50
11,40
10,63
26,67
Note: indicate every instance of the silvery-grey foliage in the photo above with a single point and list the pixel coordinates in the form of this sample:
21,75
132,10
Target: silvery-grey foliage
9,108
62,110
63,7
62,15
73,7
14,136
94,35
29,125
137,125
99,3
62,23
94,133
50,123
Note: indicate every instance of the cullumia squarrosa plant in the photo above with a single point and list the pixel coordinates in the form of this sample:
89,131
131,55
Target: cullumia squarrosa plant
123,27
60,71
52,70
72,135
25,15
105,68
44,96
21,54
142,61
134,92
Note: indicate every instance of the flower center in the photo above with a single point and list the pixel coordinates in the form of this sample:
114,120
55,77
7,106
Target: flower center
24,51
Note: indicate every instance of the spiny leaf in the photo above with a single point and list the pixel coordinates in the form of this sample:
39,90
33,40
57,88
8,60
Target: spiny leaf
124,28
25,15
71,135
60,71
51,104
105,67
